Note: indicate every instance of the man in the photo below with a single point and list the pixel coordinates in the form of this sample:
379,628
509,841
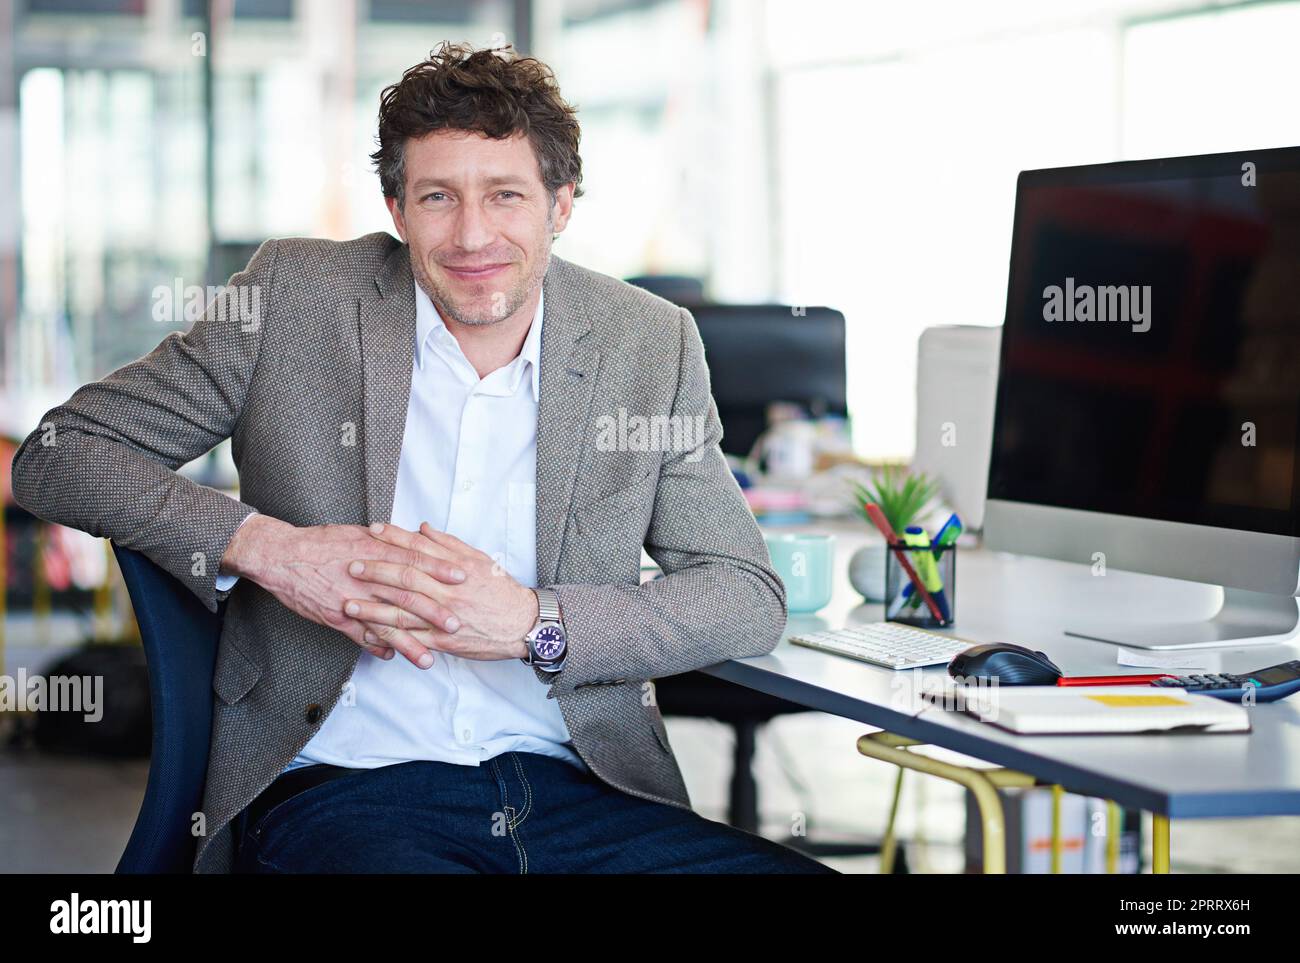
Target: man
416,427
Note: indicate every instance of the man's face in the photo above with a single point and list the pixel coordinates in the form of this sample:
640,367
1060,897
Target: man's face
478,221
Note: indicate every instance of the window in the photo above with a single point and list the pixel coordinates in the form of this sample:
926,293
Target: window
901,130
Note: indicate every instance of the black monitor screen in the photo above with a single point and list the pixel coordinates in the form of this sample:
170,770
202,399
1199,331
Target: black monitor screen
1151,352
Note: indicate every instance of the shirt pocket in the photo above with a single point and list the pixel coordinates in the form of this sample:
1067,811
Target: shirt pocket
521,531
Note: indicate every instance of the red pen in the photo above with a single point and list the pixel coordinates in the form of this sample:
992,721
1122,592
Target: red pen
887,530
1111,679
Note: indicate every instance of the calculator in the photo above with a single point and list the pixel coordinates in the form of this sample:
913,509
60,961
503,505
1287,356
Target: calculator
1271,684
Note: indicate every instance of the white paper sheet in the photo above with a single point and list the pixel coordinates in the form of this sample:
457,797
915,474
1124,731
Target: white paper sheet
1171,660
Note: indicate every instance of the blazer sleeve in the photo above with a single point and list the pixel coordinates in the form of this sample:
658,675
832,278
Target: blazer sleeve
719,598
105,461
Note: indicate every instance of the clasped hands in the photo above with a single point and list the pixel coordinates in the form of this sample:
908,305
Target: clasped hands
388,589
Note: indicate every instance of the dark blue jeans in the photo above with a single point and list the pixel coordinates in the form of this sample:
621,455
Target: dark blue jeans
518,813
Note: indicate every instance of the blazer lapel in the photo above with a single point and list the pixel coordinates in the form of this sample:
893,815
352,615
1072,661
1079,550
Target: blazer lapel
569,365
387,353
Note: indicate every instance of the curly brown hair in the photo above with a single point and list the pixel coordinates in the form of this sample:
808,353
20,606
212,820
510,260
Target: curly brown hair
492,92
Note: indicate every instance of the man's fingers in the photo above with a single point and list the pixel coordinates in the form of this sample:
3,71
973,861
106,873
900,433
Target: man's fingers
378,572
403,610
403,642
424,552
431,543
393,535
442,569
396,615
384,613
355,631
444,539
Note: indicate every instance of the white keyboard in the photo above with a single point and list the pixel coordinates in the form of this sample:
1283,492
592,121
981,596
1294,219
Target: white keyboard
886,644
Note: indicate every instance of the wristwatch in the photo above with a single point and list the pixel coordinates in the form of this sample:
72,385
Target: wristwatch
547,643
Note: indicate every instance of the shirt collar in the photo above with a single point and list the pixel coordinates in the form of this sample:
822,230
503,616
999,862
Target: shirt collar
429,324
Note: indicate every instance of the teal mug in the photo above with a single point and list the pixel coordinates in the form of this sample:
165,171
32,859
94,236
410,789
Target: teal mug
806,563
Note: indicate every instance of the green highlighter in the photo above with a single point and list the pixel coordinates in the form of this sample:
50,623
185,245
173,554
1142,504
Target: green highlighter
947,537
915,537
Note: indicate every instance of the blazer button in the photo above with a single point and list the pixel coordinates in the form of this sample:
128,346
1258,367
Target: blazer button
313,713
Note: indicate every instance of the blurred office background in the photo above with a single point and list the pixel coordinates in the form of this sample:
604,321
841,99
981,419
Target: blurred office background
856,154
861,155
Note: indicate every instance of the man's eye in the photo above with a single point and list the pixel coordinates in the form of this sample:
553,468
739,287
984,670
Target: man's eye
509,194
434,194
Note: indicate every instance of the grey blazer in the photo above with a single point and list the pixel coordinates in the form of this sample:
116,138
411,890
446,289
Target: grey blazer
312,390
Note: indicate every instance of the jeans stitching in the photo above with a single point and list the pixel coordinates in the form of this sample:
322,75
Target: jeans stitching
528,807
528,789
519,847
501,786
520,853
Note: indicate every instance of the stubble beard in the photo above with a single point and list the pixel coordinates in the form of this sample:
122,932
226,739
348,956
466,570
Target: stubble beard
501,307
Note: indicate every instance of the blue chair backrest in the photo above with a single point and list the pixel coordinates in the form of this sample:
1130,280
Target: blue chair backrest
180,644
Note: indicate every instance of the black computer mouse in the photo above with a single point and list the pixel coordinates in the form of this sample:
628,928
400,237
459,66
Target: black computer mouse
1008,664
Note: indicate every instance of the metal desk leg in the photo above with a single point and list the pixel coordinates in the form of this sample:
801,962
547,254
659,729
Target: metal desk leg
889,845
1112,836
983,785
1058,795
1159,843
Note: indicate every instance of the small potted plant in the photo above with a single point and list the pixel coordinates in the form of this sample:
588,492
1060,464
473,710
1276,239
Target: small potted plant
903,497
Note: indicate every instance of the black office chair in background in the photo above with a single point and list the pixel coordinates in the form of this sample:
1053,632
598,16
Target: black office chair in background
762,353
680,289
757,354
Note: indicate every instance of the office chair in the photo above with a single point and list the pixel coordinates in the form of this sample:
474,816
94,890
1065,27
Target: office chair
762,353
681,290
180,639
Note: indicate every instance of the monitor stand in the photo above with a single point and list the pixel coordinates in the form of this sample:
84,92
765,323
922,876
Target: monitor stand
1246,618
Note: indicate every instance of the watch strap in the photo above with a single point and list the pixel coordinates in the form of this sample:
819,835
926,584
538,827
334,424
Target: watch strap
548,605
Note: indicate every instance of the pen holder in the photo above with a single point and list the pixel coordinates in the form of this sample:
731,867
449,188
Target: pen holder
937,569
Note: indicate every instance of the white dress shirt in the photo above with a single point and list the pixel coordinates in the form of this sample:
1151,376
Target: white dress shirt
468,467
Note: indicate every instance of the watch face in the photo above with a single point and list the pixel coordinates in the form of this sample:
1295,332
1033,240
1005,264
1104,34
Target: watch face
548,642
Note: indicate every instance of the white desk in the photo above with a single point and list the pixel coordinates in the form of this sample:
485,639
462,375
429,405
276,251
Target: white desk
1028,601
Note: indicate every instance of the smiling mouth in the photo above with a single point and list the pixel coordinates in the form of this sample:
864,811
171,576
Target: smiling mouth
473,273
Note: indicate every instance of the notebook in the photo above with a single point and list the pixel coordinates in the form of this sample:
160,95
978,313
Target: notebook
1098,710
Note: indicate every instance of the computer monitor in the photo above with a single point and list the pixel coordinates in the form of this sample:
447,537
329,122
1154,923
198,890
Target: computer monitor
1148,401
758,354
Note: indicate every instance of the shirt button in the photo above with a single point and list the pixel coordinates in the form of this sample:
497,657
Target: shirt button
465,735
466,486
